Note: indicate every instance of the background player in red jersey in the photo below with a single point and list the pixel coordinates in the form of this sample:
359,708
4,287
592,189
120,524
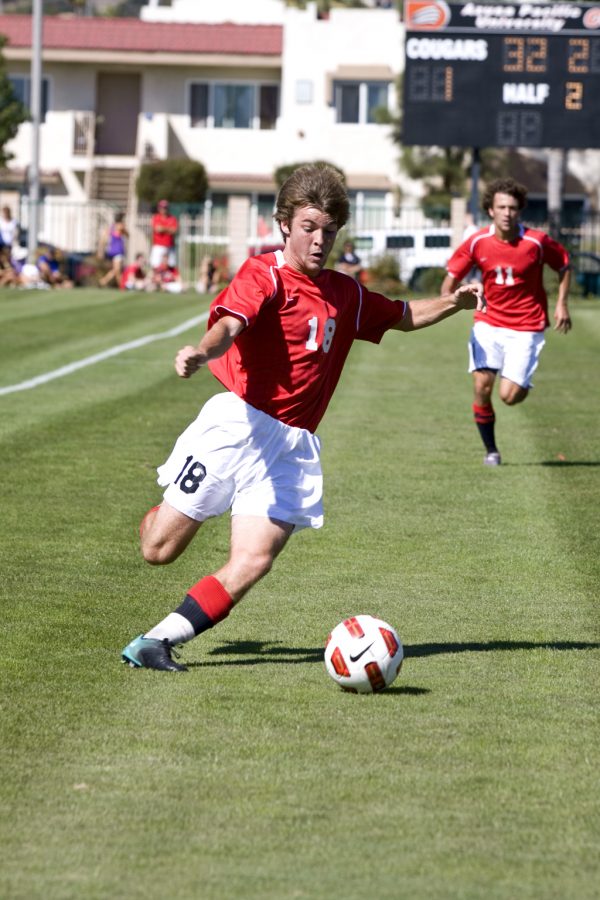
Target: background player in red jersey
277,340
509,338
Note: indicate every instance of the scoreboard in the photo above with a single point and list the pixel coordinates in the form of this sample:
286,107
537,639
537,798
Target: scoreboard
502,75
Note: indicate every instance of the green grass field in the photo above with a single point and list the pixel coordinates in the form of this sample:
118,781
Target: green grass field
253,775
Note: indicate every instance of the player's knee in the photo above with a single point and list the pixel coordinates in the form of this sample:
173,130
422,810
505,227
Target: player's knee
483,391
511,398
158,553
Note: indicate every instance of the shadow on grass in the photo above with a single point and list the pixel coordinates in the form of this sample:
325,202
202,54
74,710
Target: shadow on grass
395,689
252,653
417,650
557,463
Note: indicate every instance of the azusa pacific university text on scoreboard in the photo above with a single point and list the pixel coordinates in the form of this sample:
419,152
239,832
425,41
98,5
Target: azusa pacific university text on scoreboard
502,75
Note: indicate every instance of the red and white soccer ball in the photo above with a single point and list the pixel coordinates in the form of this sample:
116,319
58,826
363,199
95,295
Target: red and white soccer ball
363,654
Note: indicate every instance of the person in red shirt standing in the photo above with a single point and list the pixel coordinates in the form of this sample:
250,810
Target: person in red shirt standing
277,340
164,229
509,338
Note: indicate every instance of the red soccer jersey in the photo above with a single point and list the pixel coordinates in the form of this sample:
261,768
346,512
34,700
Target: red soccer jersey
288,359
512,273
167,274
163,238
131,272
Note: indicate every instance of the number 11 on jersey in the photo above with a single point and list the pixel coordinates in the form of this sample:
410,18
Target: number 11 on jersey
502,278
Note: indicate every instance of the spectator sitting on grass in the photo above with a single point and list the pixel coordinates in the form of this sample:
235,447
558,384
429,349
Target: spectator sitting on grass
49,268
166,277
135,277
7,272
15,271
208,276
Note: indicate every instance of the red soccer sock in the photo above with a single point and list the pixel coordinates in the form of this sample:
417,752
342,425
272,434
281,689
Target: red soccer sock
205,604
484,414
485,419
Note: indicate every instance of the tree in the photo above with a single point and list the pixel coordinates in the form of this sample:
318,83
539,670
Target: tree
12,111
176,180
444,171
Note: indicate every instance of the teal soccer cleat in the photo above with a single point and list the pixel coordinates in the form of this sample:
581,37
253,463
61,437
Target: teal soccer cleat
150,653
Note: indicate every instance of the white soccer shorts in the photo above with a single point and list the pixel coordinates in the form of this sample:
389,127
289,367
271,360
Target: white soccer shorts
235,457
157,256
514,354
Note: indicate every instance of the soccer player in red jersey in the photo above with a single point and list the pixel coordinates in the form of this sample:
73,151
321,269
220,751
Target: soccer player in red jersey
277,340
509,337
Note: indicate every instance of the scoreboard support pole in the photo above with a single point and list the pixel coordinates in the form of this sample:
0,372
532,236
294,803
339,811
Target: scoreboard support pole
475,175
557,161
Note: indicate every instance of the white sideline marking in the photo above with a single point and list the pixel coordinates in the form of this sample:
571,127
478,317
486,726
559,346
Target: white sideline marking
99,357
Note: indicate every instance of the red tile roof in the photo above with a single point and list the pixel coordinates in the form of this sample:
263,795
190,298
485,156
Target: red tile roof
79,33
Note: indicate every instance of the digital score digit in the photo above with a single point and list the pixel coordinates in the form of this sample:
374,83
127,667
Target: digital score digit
502,75
431,83
525,54
574,95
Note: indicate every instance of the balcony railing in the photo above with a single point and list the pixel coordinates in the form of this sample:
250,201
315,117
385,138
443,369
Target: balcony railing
84,134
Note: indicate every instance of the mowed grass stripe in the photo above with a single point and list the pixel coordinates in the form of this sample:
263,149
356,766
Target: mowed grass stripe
514,536
253,776
42,330
96,358
67,338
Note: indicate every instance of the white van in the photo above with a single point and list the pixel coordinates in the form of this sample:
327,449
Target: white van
414,249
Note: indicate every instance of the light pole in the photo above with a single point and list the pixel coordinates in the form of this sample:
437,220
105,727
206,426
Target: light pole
36,110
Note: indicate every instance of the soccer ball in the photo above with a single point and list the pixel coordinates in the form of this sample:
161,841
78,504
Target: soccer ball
363,654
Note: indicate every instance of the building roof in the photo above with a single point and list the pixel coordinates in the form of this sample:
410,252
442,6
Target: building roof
133,35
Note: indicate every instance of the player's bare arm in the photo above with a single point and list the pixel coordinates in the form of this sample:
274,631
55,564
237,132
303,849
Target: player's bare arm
562,319
449,284
214,344
422,313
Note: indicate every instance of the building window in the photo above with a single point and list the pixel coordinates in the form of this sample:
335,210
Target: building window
304,91
233,105
268,103
437,240
265,226
377,98
357,101
368,210
400,242
347,103
22,88
199,105
224,105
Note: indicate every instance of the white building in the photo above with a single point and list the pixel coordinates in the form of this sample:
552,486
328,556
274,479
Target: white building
244,87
